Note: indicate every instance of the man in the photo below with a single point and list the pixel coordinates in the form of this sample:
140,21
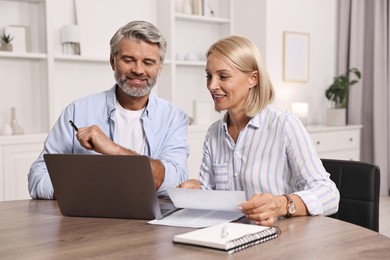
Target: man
128,119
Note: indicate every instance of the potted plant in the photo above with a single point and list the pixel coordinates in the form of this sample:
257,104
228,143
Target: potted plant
6,42
338,93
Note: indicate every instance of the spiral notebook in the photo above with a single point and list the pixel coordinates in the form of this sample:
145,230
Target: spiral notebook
229,237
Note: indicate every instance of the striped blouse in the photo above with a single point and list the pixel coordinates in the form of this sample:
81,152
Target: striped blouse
273,154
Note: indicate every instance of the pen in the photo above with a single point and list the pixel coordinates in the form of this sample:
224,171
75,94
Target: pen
225,231
73,125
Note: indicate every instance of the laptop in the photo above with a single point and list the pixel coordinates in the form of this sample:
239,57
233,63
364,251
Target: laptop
109,186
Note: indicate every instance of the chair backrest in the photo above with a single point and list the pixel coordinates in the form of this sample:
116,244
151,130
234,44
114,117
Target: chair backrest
358,183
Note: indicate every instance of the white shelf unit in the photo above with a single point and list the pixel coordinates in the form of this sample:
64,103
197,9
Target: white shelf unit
24,77
183,81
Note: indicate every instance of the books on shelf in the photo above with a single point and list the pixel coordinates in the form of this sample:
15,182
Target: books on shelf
229,237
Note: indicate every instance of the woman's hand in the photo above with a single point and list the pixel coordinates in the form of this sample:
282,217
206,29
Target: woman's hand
264,209
190,184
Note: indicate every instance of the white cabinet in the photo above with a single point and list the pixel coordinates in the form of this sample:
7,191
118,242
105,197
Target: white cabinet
342,142
16,157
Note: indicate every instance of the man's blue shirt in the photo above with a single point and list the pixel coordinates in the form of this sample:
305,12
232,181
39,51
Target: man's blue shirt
165,128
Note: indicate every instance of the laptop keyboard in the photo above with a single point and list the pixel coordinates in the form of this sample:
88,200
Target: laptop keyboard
163,211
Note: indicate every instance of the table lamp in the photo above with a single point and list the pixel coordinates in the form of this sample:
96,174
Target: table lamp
300,109
70,39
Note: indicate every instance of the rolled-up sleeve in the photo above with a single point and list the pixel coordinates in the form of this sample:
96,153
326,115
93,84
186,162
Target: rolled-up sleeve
166,131
59,140
310,180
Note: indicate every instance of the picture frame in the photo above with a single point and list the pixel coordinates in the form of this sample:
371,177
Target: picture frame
296,47
20,34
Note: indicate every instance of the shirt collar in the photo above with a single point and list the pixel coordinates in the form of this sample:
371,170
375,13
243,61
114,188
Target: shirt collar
255,121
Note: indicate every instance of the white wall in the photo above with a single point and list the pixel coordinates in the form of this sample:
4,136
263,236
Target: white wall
264,21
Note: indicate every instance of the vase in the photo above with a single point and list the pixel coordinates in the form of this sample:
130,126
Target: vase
6,129
16,128
6,47
336,116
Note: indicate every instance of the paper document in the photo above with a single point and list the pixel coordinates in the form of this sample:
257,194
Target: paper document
226,200
197,218
202,208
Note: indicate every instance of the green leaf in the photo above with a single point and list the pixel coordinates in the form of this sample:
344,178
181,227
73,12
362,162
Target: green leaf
338,90
7,38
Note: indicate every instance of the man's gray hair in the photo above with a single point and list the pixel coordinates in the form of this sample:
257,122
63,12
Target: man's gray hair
139,31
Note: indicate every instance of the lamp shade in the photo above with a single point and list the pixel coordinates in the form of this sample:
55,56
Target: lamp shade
300,109
70,33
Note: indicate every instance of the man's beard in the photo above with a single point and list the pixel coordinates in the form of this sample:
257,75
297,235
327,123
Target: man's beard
121,80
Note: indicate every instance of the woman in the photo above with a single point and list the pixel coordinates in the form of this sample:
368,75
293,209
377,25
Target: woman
256,147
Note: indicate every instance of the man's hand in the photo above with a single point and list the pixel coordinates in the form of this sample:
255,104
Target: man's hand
190,184
158,171
93,138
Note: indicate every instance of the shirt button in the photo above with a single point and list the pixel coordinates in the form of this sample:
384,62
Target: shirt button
235,174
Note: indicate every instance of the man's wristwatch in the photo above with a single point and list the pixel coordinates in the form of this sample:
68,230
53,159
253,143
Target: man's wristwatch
291,207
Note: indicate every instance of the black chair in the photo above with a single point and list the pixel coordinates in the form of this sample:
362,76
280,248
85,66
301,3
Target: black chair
358,183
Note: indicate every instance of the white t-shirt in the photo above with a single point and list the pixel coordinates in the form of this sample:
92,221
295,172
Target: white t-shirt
128,129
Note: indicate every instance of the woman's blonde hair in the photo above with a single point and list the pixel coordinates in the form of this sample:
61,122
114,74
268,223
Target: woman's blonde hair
245,56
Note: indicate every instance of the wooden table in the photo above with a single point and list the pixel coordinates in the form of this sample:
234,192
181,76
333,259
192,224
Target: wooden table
35,229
